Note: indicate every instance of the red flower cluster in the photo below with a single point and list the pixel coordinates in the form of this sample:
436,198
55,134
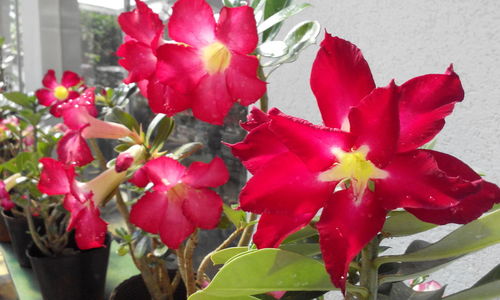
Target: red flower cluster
362,163
180,199
207,68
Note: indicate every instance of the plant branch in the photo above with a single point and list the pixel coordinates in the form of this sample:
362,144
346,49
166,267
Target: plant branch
247,232
188,260
369,271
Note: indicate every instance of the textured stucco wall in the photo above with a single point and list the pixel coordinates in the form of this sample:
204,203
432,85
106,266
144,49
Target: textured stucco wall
404,39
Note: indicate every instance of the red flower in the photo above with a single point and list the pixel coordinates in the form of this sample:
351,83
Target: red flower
55,92
5,201
180,199
358,175
59,179
144,31
211,61
79,116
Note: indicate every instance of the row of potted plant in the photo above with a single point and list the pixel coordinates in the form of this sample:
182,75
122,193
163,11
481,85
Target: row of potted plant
324,196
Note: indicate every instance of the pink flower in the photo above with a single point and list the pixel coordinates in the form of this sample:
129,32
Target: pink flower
427,286
211,63
5,201
358,174
55,92
180,199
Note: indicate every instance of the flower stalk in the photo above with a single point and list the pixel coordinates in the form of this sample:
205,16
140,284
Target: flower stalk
369,271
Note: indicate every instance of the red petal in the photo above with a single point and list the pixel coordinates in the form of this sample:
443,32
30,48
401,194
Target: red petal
49,80
164,171
425,102
165,100
140,178
56,178
202,207
471,205
90,229
242,79
179,66
192,22
285,186
70,79
5,201
141,24
258,148
237,29
375,123
311,143
211,100
273,229
45,97
345,227
200,174
340,78
138,59
143,87
256,117
73,149
149,211
416,181
175,227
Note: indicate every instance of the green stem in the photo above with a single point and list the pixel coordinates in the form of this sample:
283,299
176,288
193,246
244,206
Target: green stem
247,233
369,271
264,101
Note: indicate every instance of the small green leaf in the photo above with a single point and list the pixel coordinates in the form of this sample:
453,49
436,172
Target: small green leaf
302,248
304,233
117,115
122,147
273,49
270,8
471,237
237,217
20,99
279,17
186,150
486,291
402,223
222,256
165,127
122,250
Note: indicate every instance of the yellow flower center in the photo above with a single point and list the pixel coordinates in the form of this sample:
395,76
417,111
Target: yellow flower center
355,167
61,93
216,58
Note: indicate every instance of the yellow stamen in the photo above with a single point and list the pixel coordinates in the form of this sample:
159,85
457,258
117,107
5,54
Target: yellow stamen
354,166
216,58
61,93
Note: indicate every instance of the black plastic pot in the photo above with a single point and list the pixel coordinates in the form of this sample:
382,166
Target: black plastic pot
19,234
4,232
80,276
135,288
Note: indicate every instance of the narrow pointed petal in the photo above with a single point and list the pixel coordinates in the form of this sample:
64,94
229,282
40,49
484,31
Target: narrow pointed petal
138,59
192,22
73,149
375,123
56,178
425,102
70,79
416,181
313,144
179,66
471,205
211,99
175,227
285,186
90,229
141,24
45,97
340,78
242,79
49,79
345,227
203,207
163,99
200,174
164,171
149,211
237,29
273,229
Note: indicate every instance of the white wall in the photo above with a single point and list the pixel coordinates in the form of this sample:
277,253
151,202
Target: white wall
404,39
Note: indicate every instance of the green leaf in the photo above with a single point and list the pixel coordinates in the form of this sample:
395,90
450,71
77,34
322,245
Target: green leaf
237,217
222,256
269,270
20,99
30,117
486,291
402,223
474,236
306,249
273,49
24,161
165,127
271,7
186,150
122,147
304,233
231,3
117,115
276,19
255,3
201,295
